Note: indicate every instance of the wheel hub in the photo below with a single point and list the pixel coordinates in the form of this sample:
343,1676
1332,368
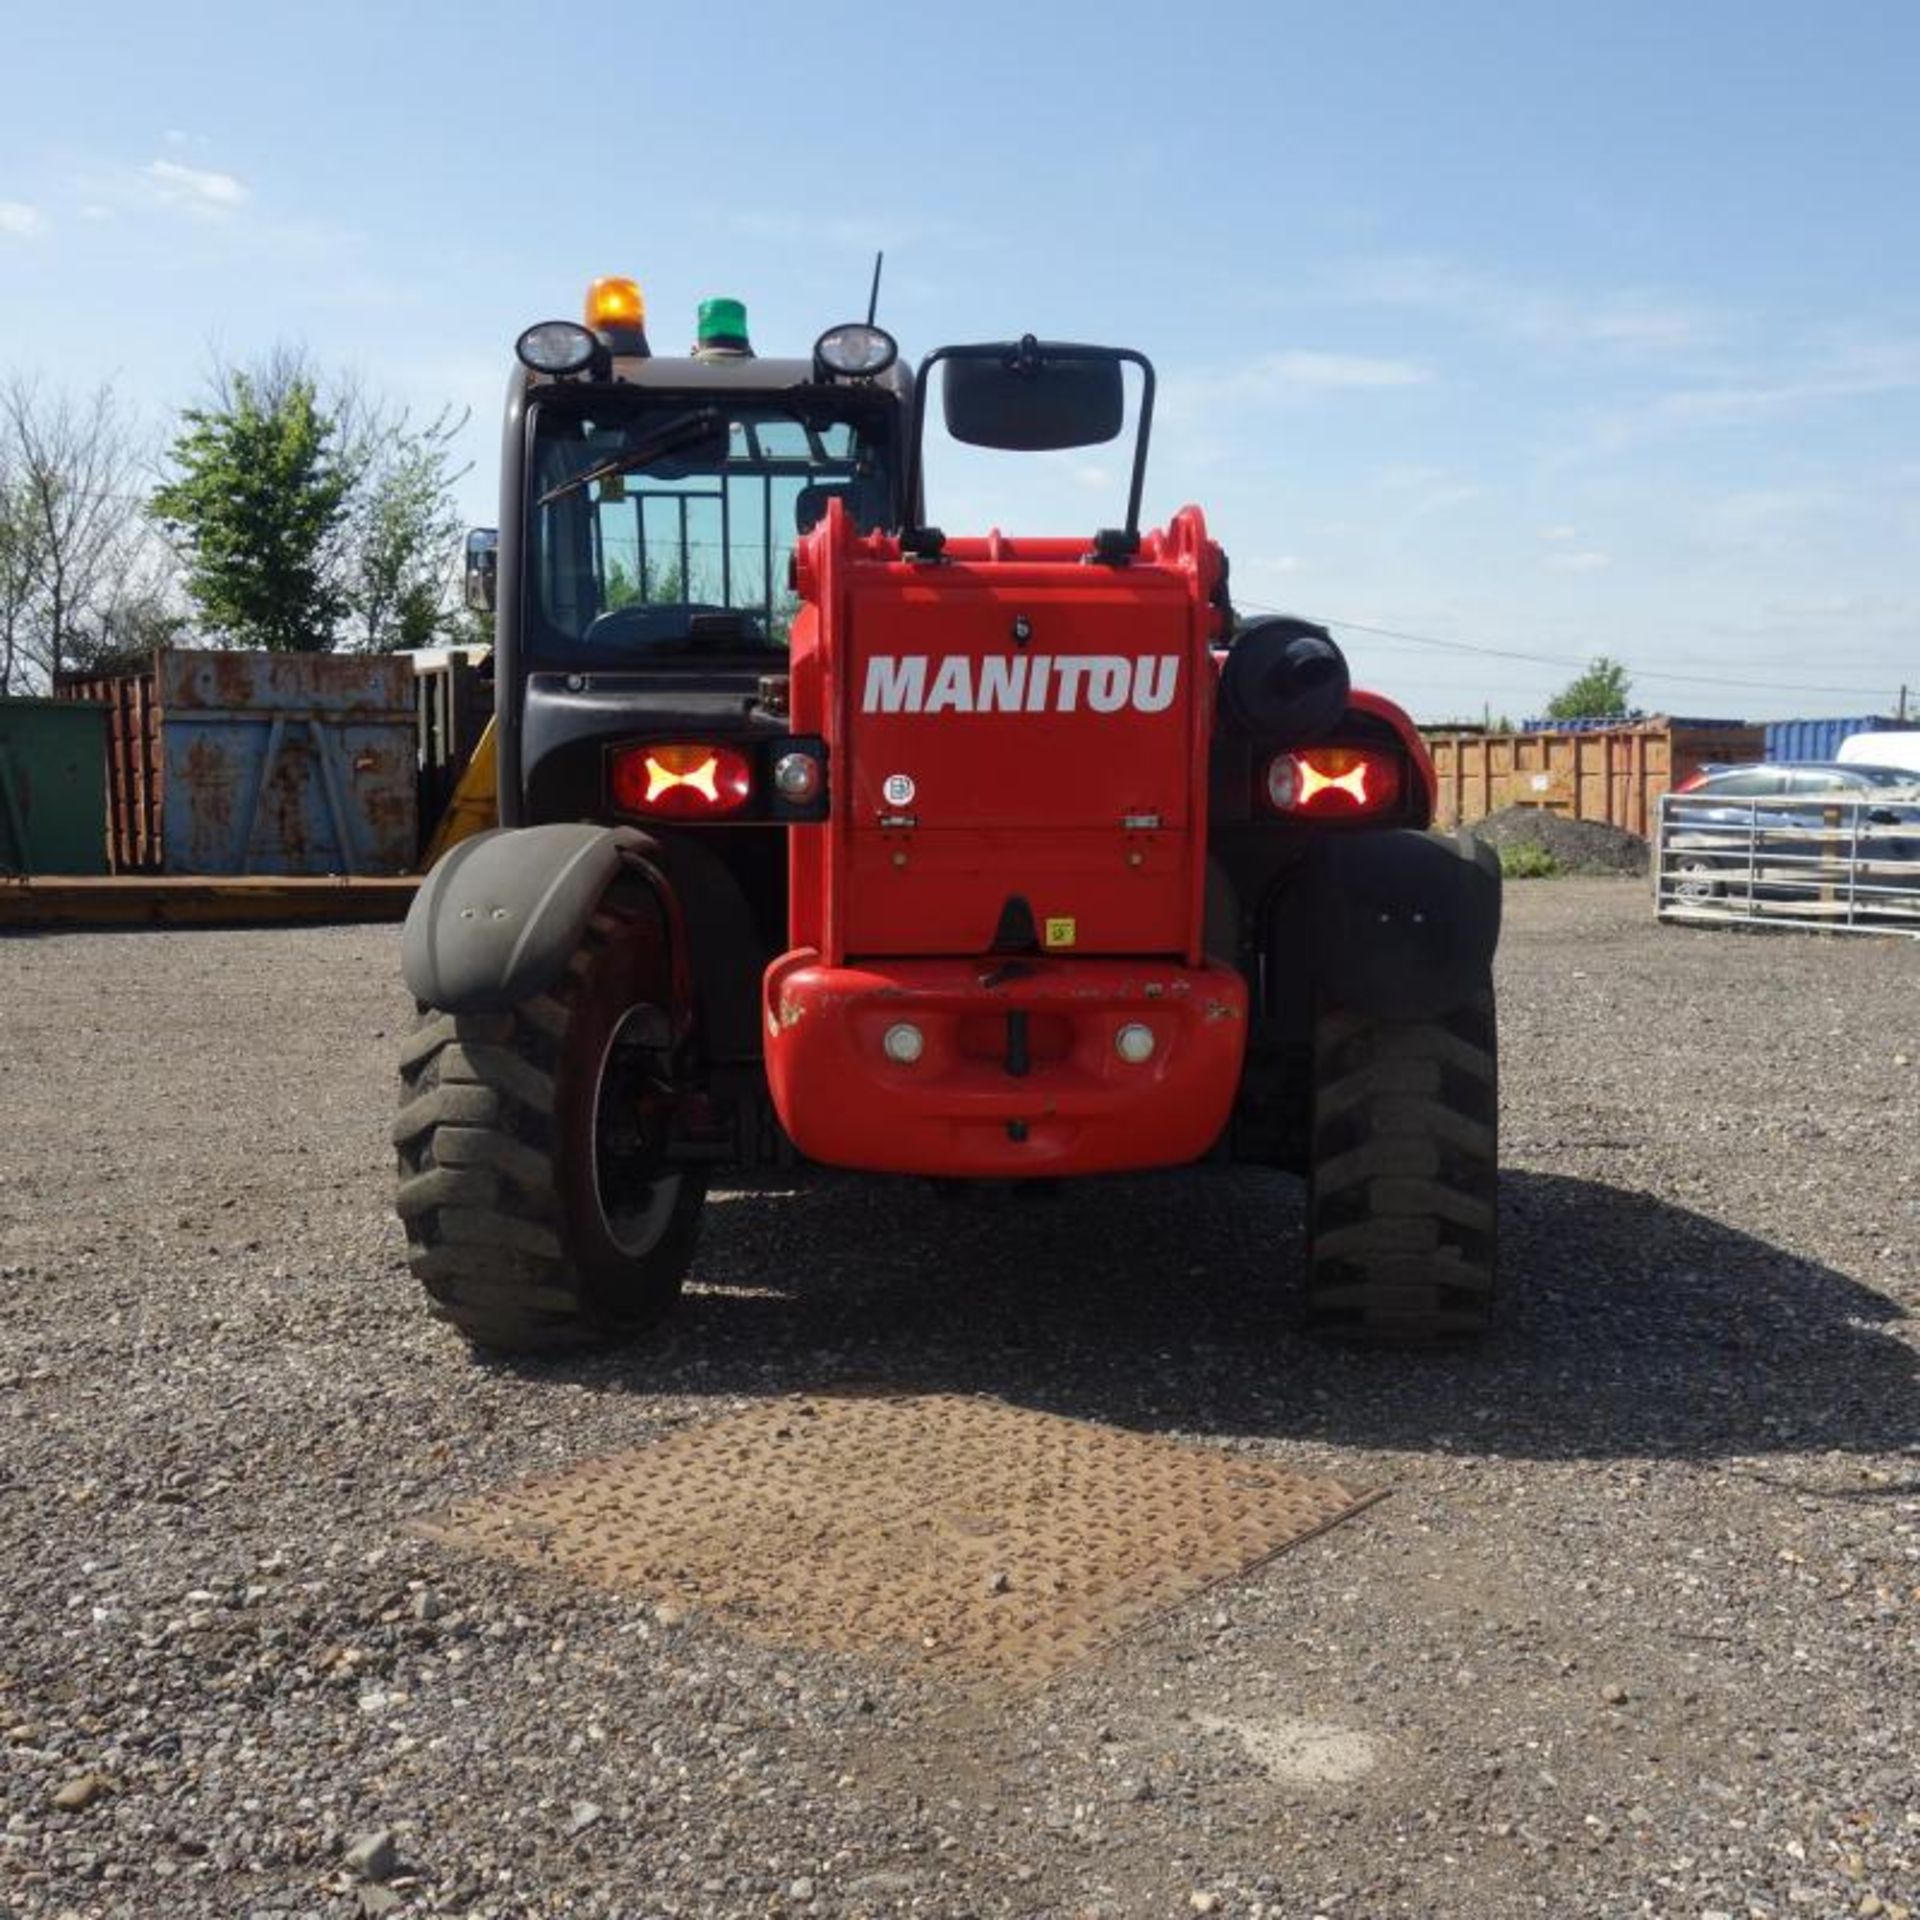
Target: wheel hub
633,1108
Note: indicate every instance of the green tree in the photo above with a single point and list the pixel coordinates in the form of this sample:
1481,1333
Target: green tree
402,530
657,583
258,504
1600,693
470,627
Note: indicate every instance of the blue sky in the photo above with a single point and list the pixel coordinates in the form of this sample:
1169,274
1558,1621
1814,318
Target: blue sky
1535,330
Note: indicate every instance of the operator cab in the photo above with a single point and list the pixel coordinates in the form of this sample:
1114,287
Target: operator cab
650,508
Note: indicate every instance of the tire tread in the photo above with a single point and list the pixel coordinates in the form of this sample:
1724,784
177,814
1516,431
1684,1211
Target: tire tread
478,1192
1402,1192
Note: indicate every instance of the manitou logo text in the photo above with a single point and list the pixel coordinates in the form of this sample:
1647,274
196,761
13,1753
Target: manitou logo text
1020,683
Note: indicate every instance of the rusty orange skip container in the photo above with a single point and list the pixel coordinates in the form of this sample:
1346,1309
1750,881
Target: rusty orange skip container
1612,774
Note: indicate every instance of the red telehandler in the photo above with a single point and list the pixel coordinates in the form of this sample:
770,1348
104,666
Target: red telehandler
827,837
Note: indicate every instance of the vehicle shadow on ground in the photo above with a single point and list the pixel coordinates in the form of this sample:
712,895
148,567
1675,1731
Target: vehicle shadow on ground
1630,1327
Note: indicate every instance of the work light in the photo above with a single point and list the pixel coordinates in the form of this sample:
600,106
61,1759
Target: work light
558,347
855,351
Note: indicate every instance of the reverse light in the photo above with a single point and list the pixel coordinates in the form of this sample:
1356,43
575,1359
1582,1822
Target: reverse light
796,777
1134,1043
691,782
1326,782
903,1043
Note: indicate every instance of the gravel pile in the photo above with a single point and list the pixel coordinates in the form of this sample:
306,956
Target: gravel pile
1634,1633
1577,846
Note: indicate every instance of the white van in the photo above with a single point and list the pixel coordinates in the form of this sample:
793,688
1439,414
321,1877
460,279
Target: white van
1891,749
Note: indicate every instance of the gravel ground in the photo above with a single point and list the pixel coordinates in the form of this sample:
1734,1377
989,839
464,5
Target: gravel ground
1589,847
1634,1633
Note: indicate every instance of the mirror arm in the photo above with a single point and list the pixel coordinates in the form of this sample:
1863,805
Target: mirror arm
1141,431
910,527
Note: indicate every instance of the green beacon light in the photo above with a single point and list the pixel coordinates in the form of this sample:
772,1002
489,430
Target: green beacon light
723,330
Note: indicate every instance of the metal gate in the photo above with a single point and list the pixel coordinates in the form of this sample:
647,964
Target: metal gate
1842,865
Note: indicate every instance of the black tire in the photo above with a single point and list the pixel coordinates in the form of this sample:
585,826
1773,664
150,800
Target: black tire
1402,1198
511,1126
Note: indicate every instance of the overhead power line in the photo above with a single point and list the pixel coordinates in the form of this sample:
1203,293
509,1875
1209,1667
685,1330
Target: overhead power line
1744,683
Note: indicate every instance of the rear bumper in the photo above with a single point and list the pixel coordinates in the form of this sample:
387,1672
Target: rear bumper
960,1109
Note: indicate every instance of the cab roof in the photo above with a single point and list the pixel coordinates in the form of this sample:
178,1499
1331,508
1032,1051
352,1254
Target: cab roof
729,374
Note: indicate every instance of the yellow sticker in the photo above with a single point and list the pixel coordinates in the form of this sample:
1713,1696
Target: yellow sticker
1061,932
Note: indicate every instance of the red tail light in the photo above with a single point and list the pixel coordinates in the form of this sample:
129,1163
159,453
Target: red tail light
1330,782
690,782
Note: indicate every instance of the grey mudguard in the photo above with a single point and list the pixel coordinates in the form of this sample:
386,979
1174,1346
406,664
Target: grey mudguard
500,915
1404,924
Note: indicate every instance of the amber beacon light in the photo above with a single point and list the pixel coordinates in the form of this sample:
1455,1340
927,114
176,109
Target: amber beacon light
616,302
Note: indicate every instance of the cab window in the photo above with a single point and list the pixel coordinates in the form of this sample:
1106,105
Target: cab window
671,524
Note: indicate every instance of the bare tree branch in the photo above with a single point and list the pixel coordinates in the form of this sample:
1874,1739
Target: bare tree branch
75,552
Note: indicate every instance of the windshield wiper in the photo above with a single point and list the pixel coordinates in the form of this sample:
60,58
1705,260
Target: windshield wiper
686,431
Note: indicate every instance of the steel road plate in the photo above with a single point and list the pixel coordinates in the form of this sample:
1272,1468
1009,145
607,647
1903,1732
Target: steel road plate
961,1533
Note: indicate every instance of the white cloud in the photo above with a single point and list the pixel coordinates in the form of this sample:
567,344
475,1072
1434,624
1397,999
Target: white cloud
1714,404
859,233
197,189
1453,493
1096,476
18,221
1421,490
1306,372
1561,533
1854,372
1490,303
1296,375
1577,560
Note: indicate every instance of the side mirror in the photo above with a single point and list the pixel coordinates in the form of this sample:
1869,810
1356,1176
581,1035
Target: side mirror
1032,402
483,568
1032,396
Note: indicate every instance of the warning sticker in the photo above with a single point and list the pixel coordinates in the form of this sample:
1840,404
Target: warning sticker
1061,931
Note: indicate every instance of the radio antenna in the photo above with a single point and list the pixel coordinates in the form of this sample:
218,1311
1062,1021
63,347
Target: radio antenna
873,298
